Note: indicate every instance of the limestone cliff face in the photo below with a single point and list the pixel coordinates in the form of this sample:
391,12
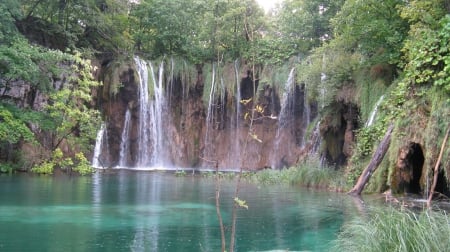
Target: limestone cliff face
199,133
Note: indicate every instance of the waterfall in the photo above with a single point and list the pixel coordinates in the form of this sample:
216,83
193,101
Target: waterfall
374,112
306,116
143,134
210,115
151,116
287,104
125,143
98,147
157,111
287,101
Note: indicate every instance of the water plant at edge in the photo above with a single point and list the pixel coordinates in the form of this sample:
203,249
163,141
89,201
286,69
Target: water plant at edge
391,229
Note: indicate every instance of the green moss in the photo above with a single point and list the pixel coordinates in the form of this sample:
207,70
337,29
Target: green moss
111,77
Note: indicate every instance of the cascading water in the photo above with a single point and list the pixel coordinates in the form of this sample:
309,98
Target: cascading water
98,147
210,116
125,143
157,112
143,134
374,112
287,104
306,116
146,137
151,117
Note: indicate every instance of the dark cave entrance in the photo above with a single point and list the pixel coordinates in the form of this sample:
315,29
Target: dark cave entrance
409,169
415,162
442,184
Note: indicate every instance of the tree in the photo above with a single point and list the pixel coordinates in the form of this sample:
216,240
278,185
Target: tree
373,28
304,24
74,121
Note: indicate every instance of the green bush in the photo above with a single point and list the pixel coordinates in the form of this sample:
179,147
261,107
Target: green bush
83,167
80,164
46,167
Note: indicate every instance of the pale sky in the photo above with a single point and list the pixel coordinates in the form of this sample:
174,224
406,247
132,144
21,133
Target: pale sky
268,4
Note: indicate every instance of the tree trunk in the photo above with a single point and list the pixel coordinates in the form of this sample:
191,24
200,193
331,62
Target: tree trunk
436,168
374,163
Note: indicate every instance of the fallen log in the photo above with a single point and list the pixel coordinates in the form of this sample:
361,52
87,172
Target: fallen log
373,164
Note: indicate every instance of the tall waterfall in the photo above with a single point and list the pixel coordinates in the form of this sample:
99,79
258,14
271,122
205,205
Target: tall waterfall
143,133
151,116
98,147
125,143
157,110
287,103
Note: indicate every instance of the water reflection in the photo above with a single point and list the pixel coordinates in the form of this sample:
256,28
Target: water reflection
155,211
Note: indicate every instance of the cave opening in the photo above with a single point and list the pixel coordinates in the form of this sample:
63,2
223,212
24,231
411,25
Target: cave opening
416,160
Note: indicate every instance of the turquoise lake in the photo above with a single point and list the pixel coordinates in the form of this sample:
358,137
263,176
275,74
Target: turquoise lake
158,211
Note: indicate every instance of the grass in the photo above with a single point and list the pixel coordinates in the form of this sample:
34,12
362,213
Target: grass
390,229
309,174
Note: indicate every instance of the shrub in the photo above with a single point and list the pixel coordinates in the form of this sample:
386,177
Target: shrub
83,167
46,167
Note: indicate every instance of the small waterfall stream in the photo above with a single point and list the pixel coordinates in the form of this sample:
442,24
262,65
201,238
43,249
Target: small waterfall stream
125,143
98,147
374,112
207,153
306,116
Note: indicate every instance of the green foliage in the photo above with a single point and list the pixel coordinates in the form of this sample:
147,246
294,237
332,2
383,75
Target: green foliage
201,30
6,167
45,168
427,55
12,128
102,25
68,107
367,137
9,9
32,64
82,165
309,174
241,203
78,164
396,230
374,28
303,25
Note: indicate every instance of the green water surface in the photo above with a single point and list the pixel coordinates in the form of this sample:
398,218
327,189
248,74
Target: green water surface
157,211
